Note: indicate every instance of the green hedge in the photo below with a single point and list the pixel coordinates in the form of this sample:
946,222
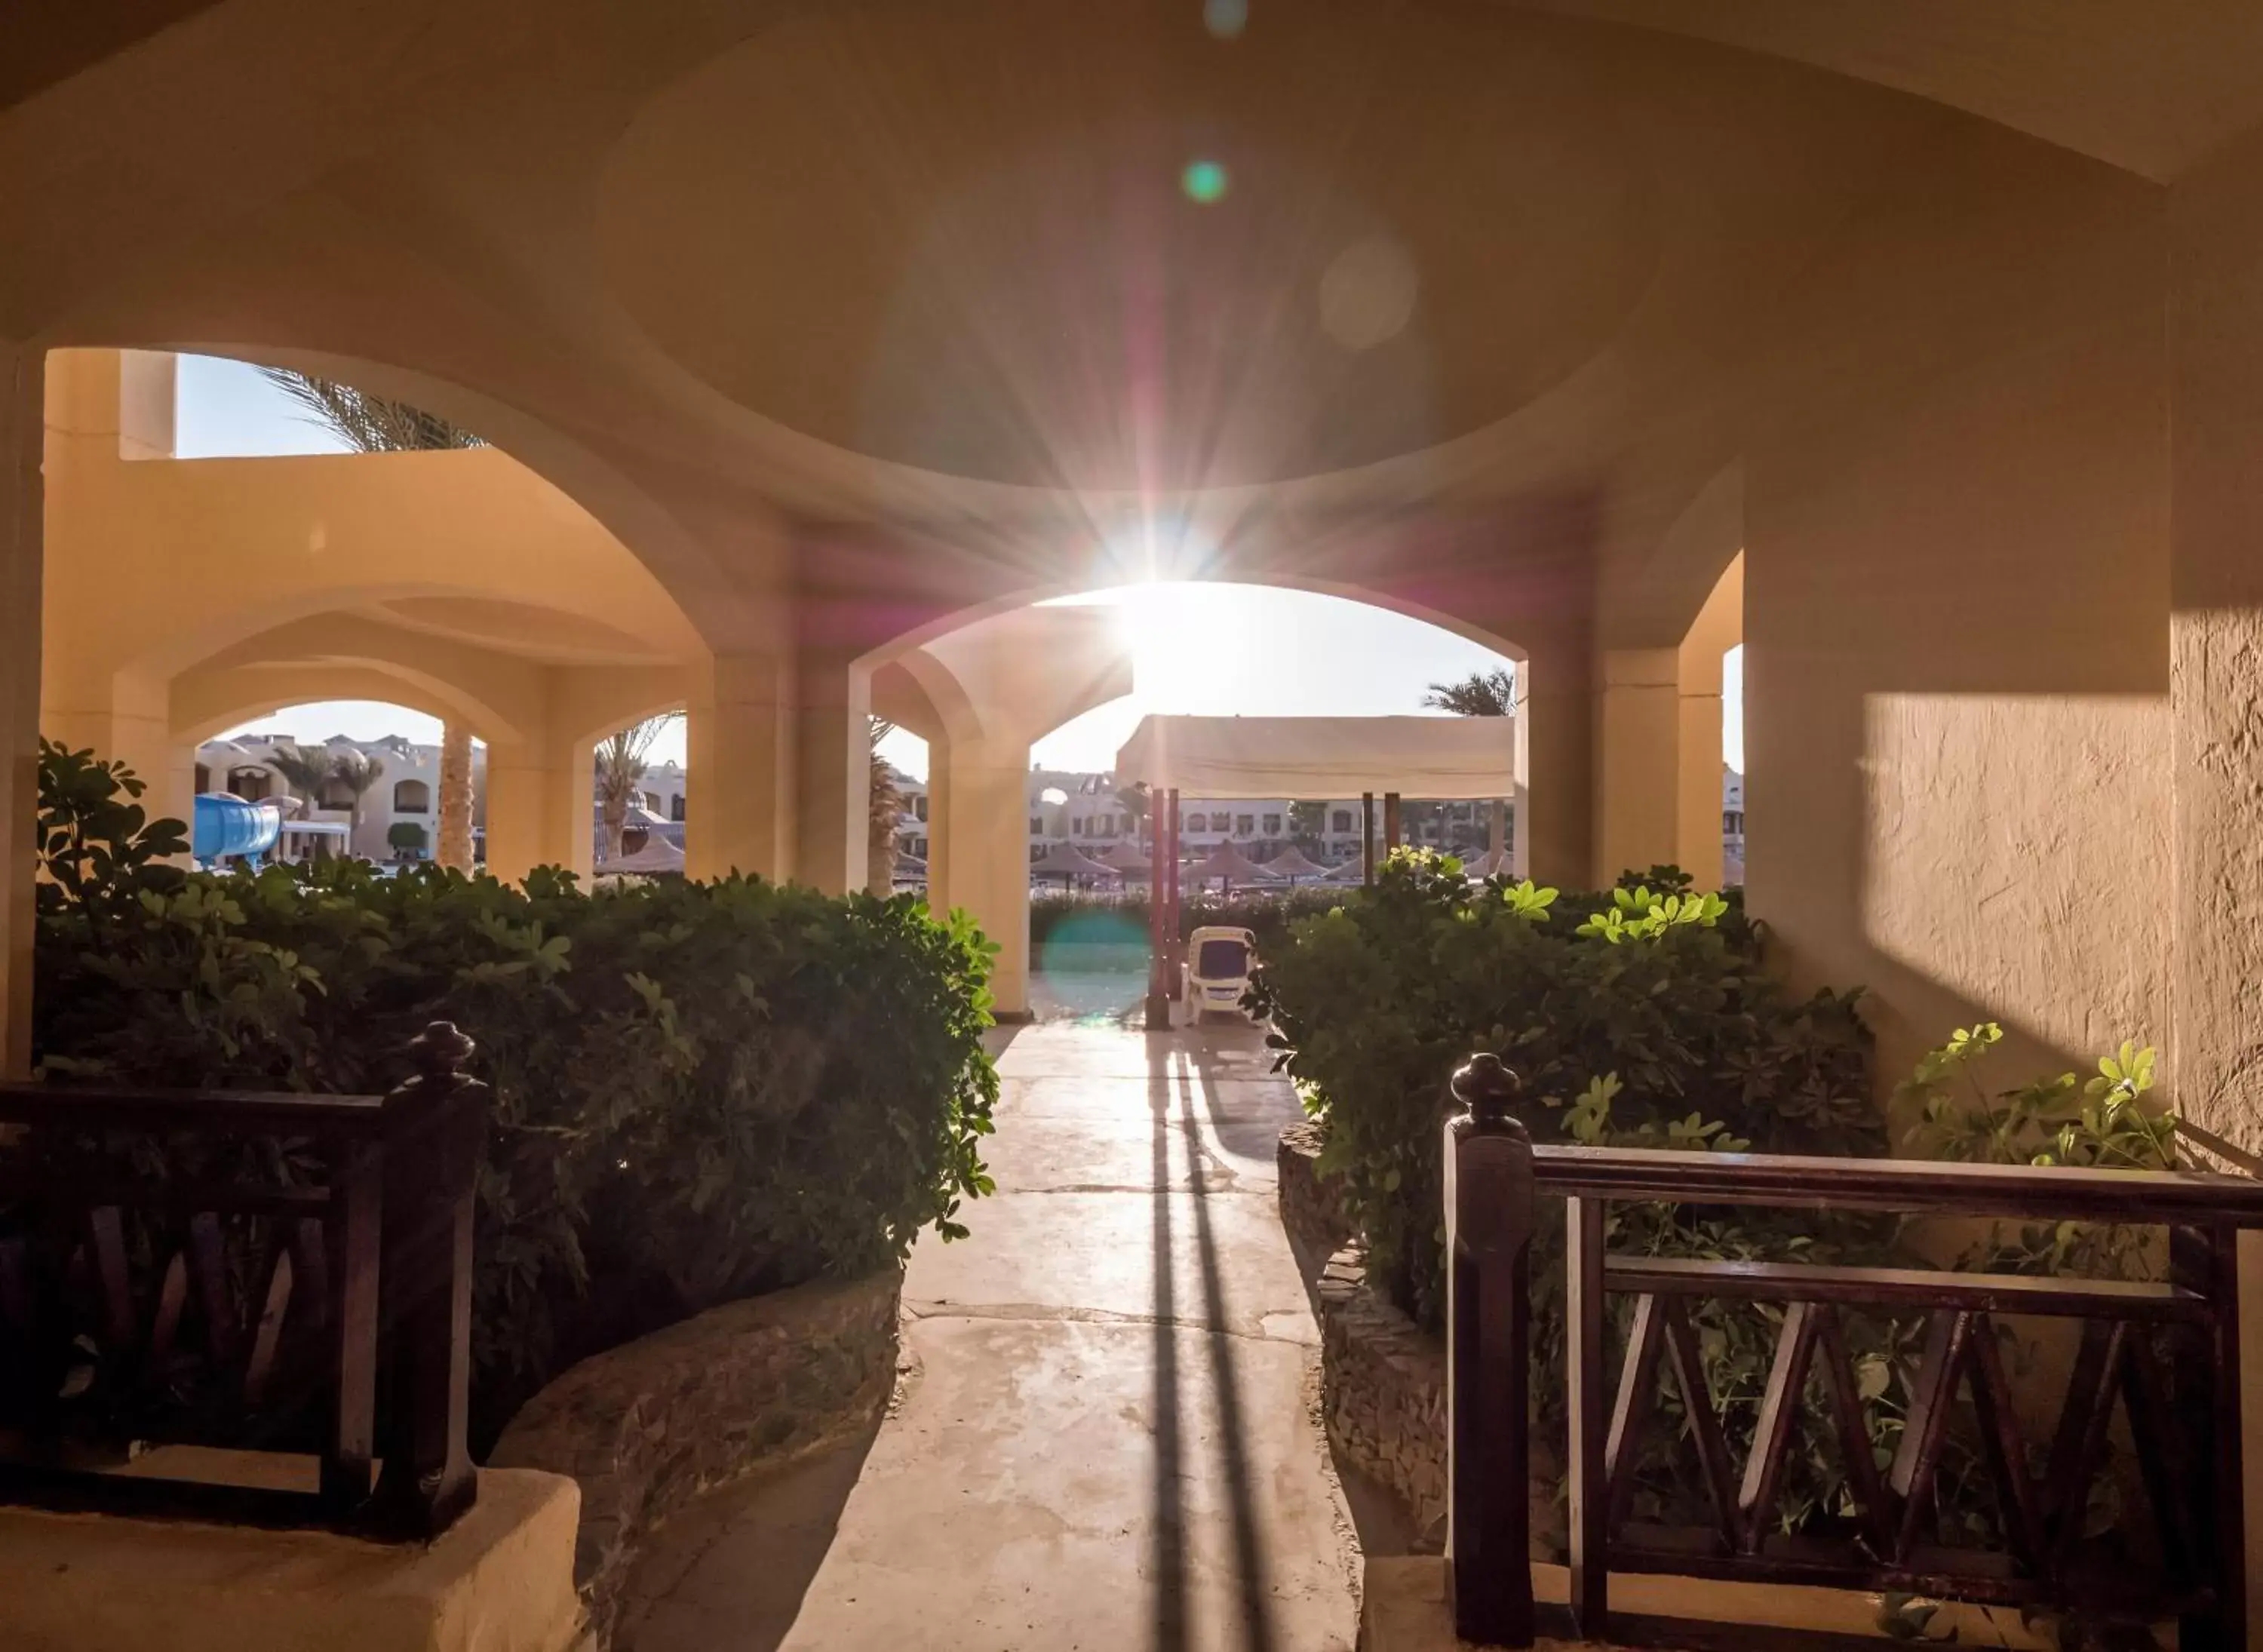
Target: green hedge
701,1091
1614,1020
1643,1016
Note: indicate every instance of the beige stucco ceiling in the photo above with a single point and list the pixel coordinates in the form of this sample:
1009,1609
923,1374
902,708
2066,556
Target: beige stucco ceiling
847,299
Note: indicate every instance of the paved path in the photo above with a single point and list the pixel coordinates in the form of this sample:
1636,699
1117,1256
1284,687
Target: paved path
1107,1442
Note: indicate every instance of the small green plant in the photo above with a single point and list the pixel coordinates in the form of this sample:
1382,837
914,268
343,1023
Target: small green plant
2105,1123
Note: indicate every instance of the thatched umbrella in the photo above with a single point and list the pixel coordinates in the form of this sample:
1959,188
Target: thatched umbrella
1226,862
1293,863
1130,858
1066,861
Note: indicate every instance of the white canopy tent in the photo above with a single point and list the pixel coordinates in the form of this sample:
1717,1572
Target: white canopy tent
1443,760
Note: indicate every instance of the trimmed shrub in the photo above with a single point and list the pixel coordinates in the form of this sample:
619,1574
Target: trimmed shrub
1666,1030
701,1091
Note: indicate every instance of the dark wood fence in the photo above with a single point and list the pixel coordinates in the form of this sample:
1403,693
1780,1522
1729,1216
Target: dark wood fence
2166,1356
269,1273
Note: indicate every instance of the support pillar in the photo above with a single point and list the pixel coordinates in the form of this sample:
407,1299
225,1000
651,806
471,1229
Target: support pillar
982,812
22,432
1638,776
1556,734
1719,627
739,810
541,808
832,746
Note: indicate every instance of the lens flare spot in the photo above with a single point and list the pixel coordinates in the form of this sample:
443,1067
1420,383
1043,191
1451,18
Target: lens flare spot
1225,18
1203,182
1368,293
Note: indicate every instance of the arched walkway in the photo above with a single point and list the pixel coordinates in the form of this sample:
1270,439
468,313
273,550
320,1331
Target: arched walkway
1104,1437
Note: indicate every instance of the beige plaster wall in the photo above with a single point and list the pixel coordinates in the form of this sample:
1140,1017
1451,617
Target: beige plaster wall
2215,331
1957,509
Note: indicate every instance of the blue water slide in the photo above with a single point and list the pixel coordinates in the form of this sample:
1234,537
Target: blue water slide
227,825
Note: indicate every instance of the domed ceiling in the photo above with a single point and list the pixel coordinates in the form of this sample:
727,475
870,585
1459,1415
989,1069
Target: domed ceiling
1117,244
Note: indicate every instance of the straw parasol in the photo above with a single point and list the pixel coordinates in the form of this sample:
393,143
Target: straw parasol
1130,858
1228,864
1066,861
1293,863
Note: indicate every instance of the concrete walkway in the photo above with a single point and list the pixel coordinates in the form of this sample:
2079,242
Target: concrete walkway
1107,1440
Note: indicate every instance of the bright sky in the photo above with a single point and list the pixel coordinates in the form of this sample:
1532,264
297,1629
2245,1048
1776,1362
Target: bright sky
1198,649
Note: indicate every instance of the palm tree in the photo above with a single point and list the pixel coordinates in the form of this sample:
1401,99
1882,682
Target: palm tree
620,766
1481,694
455,841
884,812
304,769
369,424
358,771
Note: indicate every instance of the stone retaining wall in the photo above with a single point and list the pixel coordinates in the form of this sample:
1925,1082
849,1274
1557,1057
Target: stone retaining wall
646,1426
1309,1208
1383,1385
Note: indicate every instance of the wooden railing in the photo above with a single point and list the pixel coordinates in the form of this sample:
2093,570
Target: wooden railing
2182,1410
265,1272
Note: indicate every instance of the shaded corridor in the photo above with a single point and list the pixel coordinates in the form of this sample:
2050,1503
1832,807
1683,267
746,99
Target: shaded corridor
1095,1451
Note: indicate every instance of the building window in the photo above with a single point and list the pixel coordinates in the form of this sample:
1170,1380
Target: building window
1197,822
1341,820
1244,824
919,806
412,797
1037,827
1272,825
676,806
251,785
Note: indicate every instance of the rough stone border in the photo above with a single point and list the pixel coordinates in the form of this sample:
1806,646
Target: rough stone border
646,1427
1382,1378
1309,1207
1382,1391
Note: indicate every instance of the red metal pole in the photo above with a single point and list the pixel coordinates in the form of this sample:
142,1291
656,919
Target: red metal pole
1174,944
1158,951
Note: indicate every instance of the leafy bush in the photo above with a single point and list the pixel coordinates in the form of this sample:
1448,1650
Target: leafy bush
1643,1016
701,1091
1661,994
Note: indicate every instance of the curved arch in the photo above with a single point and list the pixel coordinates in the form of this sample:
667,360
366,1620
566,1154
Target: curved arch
943,625
644,527
206,706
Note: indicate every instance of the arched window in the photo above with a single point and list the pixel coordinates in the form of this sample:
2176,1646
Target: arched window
1197,822
249,784
412,797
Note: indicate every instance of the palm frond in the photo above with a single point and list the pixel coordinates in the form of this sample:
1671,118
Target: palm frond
369,424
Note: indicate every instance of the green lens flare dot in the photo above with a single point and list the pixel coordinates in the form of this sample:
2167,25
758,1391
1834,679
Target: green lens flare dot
1202,181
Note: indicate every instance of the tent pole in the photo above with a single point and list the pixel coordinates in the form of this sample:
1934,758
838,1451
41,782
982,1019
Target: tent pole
1367,837
1390,821
1174,982
1159,996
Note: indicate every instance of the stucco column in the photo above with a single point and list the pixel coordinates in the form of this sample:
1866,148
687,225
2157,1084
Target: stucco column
738,732
1556,703
1719,627
22,431
541,808
983,812
832,760
1638,767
